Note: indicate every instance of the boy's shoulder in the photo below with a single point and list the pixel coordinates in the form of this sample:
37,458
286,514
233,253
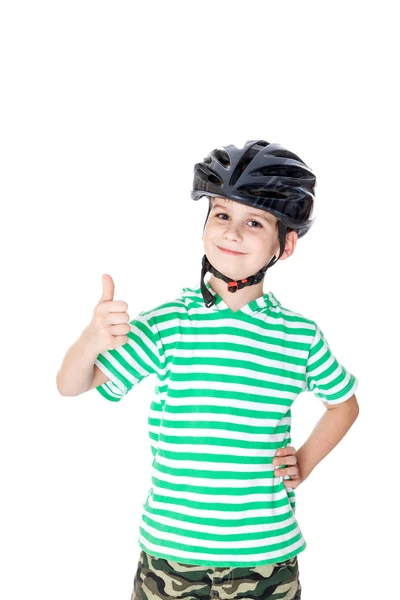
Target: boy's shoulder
291,315
188,295
170,306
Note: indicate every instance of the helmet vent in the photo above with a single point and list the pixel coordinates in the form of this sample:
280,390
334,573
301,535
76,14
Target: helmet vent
282,171
282,153
262,192
246,159
208,175
222,156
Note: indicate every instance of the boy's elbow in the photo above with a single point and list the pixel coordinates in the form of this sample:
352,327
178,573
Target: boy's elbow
349,404
353,404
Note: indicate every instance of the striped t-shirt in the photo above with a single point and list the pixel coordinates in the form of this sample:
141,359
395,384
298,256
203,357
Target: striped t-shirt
226,381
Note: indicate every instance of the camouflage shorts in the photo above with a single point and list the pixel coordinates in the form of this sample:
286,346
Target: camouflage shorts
162,579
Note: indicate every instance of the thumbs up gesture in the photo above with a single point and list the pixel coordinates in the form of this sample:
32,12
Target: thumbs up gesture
109,326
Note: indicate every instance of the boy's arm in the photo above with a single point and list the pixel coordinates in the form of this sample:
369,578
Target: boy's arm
330,429
351,402
98,378
76,371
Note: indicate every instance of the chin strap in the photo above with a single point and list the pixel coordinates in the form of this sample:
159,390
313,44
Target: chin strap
233,286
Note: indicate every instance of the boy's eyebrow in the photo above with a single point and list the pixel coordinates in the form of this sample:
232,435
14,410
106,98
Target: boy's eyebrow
265,217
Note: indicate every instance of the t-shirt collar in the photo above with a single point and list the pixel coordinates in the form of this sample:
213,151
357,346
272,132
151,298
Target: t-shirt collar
193,295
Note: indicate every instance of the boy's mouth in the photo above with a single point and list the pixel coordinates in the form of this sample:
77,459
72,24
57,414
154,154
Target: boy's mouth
226,251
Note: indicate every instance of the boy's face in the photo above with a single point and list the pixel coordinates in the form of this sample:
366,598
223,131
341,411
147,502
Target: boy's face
235,226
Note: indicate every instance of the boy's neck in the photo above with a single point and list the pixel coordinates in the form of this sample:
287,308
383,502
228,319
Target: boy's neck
238,299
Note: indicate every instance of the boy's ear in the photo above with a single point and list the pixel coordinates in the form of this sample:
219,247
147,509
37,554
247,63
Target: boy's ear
291,240
290,245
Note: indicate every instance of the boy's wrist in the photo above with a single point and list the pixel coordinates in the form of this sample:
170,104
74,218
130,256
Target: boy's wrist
304,467
91,350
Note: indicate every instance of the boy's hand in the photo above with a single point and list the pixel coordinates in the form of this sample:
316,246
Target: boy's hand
109,326
287,456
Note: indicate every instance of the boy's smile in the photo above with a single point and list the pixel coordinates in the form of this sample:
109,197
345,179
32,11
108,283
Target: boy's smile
228,251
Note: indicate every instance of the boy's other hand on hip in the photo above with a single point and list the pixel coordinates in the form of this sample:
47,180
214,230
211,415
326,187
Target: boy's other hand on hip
285,463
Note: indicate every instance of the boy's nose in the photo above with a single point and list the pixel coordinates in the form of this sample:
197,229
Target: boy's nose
232,229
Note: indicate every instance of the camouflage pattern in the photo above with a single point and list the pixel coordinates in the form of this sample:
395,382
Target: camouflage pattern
162,579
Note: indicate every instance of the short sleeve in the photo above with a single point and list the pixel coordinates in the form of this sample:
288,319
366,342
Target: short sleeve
325,376
128,364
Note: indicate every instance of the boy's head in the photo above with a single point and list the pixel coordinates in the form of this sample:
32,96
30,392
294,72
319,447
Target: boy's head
260,180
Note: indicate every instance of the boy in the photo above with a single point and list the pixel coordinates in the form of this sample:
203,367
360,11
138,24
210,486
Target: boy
230,361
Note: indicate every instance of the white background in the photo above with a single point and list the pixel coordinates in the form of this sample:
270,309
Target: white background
105,108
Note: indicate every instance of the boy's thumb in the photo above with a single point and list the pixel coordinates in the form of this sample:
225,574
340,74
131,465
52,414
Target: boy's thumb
108,288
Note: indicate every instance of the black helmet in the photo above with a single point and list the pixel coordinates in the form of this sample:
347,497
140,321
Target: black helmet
262,175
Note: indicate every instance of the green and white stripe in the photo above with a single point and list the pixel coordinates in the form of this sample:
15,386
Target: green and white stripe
221,408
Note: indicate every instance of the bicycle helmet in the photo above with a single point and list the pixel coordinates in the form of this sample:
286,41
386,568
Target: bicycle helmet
262,175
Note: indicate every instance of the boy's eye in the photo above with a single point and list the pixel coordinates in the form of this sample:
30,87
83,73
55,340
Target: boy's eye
224,215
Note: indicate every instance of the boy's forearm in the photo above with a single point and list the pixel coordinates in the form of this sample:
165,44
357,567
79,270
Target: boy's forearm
76,372
330,429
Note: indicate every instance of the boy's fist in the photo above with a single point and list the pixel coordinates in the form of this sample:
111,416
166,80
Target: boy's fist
287,456
109,326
